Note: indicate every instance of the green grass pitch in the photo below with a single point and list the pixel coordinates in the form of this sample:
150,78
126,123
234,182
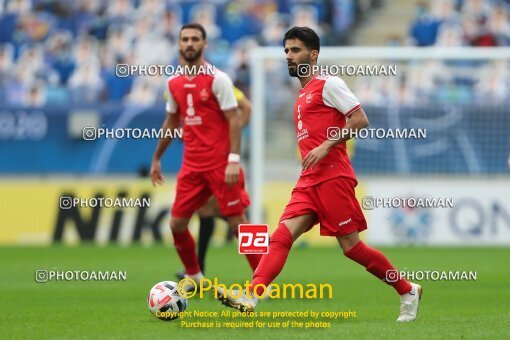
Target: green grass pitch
93,309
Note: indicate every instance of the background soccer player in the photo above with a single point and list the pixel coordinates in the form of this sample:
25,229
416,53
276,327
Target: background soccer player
324,192
211,209
207,109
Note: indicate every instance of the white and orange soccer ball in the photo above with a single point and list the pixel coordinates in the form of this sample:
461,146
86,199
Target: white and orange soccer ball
165,302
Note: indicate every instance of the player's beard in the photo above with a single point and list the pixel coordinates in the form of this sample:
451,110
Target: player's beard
191,57
293,67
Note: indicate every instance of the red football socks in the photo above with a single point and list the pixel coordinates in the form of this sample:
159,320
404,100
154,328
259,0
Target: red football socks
185,246
378,265
253,260
272,263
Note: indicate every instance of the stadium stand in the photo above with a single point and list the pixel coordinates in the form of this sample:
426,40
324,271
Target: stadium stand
59,52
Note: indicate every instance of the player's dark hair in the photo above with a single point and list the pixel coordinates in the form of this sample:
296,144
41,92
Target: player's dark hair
306,35
196,26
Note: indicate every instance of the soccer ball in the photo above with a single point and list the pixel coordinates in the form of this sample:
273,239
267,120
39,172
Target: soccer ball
165,302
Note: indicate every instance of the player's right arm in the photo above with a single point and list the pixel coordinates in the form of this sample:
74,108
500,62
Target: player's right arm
223,90
171,123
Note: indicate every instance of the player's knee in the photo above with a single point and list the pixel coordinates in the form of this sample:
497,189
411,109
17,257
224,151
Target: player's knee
348,241
178,224
234,226
235,221
282,235
204,211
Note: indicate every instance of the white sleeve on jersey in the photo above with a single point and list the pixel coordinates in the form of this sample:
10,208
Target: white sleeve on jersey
171,105
336,94
224,91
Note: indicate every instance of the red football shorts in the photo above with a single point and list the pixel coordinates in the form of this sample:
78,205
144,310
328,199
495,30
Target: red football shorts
333,202
194,188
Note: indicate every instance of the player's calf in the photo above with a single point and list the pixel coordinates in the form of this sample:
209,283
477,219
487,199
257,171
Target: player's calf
376,263
185,247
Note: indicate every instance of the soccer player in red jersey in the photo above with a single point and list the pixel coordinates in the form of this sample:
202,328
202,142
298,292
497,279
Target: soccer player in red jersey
324,192
206,107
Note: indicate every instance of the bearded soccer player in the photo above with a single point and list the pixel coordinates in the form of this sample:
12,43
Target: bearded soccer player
324,192
206,107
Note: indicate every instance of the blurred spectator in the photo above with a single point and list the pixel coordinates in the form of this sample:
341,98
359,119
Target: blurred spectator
425,26
205,14
151,45
170,25
449,35
35,96
86,50
6,65
19,6
306,16
493,83
142,93
120,10
237,22
56,94
479,9
471,30
239,67
274,29
59,55
85,83
498,25
151,9
118,41
18,84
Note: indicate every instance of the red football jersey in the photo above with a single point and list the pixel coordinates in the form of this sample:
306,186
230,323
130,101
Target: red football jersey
323,103
200,101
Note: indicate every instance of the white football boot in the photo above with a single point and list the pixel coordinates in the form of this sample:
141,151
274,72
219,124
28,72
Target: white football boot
245,303
190,287
409,304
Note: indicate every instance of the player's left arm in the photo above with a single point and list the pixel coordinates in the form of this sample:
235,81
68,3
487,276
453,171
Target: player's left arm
223,90
336,94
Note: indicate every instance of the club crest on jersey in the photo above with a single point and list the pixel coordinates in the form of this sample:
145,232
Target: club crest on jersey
204,94
190,118
309,98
